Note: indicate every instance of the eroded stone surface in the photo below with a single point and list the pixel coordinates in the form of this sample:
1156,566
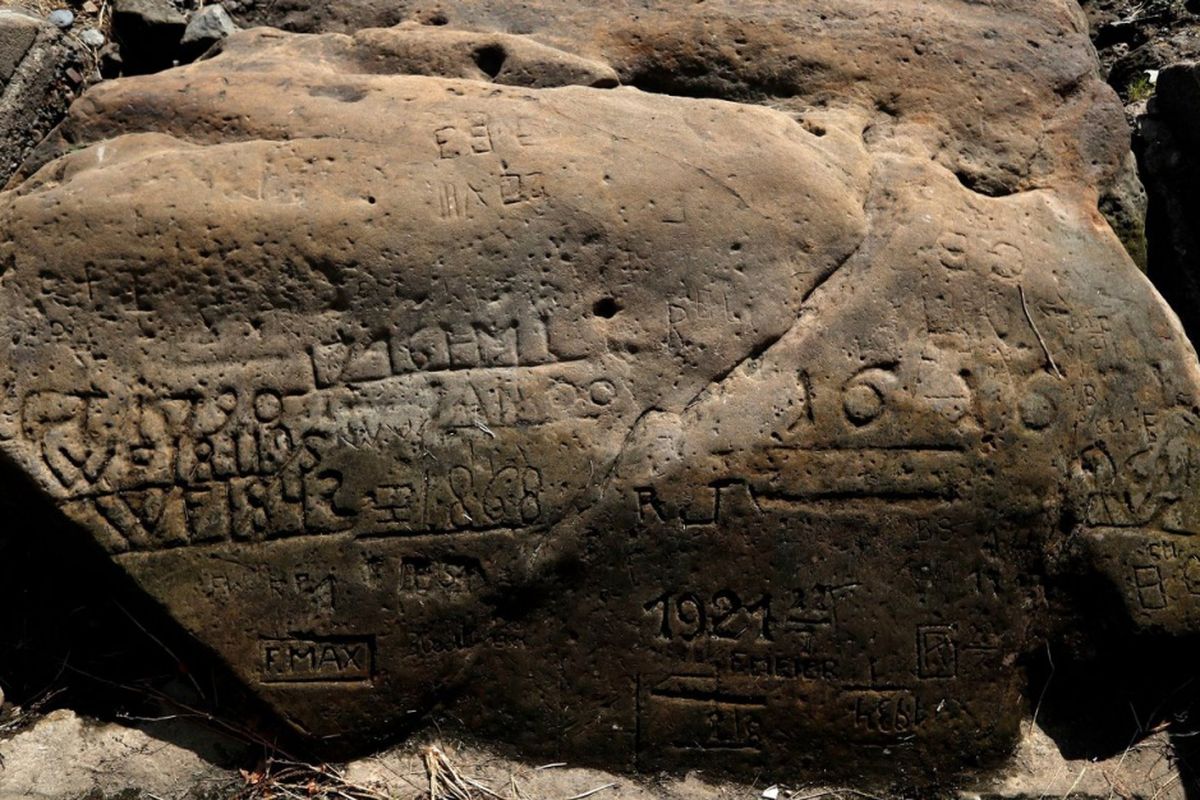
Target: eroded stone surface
1005,93
652,431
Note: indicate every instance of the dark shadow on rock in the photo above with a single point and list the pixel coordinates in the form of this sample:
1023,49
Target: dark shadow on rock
76,633
1165,144
1099,688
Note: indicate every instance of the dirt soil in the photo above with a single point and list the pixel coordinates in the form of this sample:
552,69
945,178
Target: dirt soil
63,756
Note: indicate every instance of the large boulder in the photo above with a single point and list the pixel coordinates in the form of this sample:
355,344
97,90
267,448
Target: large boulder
423,369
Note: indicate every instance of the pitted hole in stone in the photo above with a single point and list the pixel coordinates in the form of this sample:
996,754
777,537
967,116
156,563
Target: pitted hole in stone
606,307
490,58
342,92
813,128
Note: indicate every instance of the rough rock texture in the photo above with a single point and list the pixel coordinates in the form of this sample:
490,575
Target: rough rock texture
65,758
34,85
983,72
206,27
641,430
1006,92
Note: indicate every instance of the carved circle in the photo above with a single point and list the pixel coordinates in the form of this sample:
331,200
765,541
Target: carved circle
227,401
267,406
953,250
862,403
602,391
1007,261
1191,575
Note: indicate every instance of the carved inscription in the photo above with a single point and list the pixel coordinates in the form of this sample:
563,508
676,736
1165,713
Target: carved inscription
693,713
676,431
936,653
316,660
723,615
518,343
890,712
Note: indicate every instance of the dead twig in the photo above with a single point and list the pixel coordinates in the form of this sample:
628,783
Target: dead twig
1045,688
171,653
1028,316
591,792
447,783
294,779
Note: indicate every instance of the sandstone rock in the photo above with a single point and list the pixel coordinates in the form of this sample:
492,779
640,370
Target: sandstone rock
34,92
17,34
917,62
1124,205
997,109
206,27
643,430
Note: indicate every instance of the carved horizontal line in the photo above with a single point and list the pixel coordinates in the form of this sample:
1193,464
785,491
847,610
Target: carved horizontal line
929,447
895,495
721,748
310,681
412,534
492,368
711,696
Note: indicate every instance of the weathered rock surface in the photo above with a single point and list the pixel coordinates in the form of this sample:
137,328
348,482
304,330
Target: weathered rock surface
978,80
34,85
1137,42
206,27
1005,93
643,430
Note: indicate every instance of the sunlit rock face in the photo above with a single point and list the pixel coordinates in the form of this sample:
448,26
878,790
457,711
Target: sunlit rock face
425,370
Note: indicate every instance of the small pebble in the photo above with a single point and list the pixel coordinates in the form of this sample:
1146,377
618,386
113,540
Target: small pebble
62,18
92,37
